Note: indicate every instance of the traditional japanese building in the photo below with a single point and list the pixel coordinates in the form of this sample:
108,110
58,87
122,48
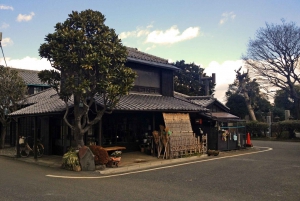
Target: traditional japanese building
136,116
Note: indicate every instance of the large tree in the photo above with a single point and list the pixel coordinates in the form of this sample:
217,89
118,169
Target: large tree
91,60
187,79
274,57
245,95
12,90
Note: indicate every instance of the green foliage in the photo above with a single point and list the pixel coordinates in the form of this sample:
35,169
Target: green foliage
278,112
70,160
290,126
90,58
12,90
256,128
51,77
283,101
186,80
237,105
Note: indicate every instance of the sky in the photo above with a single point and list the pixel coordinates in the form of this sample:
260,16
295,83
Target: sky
211,33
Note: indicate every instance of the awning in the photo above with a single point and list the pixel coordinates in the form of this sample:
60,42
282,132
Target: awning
222,116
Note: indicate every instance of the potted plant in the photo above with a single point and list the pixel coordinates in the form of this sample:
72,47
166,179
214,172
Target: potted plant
116,155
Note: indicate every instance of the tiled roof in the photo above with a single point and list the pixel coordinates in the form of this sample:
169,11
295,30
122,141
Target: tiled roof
204,101
37,97
131,102
30,77
135,53
140,102
224,115
51,105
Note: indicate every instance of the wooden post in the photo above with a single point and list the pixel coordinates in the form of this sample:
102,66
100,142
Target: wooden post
17,138
100,132
35,138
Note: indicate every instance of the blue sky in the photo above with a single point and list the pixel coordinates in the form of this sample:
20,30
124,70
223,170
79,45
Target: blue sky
211,33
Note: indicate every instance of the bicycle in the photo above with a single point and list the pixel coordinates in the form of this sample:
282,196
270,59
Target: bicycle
25,148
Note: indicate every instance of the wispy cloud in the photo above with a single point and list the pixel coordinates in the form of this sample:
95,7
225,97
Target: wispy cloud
25,18
6,42
151,47
4,25
172,35
4,7
139,32
227,16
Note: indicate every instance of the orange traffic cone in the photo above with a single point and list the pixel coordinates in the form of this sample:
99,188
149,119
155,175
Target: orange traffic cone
248,141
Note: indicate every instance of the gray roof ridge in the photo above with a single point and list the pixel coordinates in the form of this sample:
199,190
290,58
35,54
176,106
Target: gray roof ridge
144,53
136,93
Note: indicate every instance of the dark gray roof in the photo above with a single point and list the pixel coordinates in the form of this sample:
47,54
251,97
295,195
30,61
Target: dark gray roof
40,96
204,101
134,55
143,102
131,102
30,77
51,105
223,115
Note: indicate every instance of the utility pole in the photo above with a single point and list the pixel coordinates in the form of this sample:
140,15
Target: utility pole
205,80
2,48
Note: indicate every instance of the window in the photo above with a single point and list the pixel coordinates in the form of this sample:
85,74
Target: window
37,89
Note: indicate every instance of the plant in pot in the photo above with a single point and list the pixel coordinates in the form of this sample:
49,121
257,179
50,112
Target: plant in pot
116,155
71,160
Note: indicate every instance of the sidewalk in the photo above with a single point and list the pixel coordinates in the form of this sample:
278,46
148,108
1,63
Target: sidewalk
131,161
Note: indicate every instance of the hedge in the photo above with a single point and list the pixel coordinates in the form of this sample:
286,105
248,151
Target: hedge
257,129
290,126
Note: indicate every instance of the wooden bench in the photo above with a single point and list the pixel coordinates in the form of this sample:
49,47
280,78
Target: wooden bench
114,148
114,161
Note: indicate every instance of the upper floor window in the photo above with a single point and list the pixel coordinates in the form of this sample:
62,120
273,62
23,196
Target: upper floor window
37,89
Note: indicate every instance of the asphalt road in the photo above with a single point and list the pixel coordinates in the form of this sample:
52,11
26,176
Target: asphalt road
270,175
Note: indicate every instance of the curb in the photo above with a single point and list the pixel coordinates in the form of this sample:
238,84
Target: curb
147,165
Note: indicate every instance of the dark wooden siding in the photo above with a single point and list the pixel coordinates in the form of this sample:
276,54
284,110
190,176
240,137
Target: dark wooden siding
167,86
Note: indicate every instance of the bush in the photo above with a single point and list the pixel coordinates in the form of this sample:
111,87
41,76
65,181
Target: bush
100,155
257,129
70,160
287,127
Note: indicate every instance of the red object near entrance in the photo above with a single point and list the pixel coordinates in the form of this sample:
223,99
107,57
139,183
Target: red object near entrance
248,141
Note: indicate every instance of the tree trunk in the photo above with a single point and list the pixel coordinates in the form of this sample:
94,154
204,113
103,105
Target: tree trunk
249,107
297,104
79,138
3,133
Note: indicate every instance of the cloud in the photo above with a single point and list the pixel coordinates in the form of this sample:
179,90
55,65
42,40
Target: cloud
225,75
6,42
139,32
227,16
27,63
4,7
4,25
172,35
169,36
25,18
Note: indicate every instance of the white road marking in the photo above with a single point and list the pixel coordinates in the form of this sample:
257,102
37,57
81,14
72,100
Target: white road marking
159,168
